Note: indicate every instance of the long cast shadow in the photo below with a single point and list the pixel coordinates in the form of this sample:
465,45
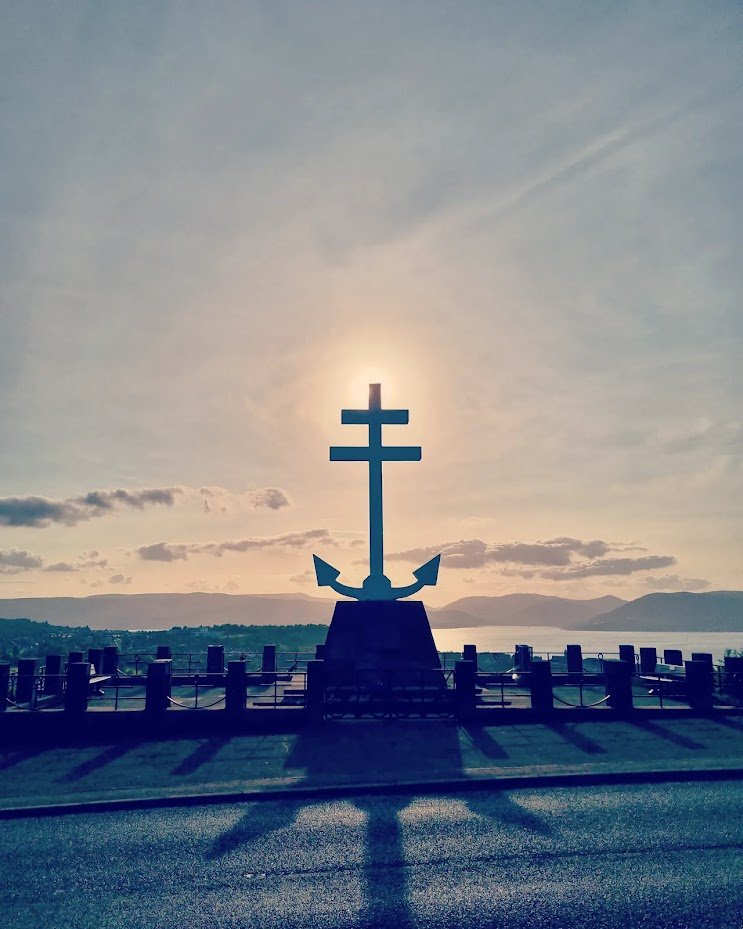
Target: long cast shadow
22,755
112,753
676,738
384,878
260,820
502,808
577,738
200,755
483,740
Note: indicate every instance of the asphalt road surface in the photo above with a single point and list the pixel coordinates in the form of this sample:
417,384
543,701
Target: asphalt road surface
665,856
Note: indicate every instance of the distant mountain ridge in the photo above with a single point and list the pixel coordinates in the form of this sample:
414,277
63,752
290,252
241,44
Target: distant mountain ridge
162,611
673,612
528,610
711,611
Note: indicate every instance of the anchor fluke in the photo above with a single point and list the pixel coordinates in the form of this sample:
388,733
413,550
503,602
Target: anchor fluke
428,573
325,572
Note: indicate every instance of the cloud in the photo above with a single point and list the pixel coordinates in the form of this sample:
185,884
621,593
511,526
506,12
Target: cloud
163,551
63,567
272,497
119,579
40,512
306,577
474,553
558,559
228,587
15,562
674,582
608,566
179,551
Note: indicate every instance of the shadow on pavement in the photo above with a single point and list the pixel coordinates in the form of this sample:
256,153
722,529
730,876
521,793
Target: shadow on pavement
484,741
384,879
369,750
676,738
502,808
112,753
258,821
203,753
571,734
17,757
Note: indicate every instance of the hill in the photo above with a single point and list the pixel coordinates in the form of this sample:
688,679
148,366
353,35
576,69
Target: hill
161,611
712,611
521,610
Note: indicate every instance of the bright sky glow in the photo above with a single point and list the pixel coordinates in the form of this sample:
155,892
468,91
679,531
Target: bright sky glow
218,225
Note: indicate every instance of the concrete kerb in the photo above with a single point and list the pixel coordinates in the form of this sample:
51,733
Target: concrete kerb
340,791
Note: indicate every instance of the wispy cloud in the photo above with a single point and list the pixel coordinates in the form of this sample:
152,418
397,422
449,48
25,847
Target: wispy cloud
559,559
180,551
41,512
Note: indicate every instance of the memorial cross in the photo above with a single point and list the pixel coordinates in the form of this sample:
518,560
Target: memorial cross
376,586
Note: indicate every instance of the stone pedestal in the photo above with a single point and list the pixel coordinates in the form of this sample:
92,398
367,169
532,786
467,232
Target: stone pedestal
371,638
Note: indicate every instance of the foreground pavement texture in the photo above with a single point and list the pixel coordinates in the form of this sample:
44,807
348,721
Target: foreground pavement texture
587,858
350,755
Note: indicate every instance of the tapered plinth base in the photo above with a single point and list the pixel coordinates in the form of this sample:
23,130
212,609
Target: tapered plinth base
366,638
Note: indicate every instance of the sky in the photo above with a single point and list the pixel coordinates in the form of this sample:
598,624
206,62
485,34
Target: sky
220,222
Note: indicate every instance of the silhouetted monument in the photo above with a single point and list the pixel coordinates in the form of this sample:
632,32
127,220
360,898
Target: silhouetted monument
375,631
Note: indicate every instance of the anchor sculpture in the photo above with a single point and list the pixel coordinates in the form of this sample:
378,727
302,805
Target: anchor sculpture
377,585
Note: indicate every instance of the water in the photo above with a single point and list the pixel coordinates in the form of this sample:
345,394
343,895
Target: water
550,639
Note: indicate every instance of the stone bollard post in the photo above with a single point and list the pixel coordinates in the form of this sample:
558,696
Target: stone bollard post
465,692
320,652
235,687
78,685
618,677
110,660
706,657
268,665
673,656
25,680
627,653
214,664
469,653
574,659
158,685
648,660
75,657
314,694
522,658
53,674
95,658
163,653
540,685
4,685
699,685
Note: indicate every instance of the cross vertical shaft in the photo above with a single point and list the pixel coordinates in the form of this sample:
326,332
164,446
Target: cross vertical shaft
376,509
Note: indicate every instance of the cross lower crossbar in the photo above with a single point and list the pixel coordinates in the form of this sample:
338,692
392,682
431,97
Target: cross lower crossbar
380,453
